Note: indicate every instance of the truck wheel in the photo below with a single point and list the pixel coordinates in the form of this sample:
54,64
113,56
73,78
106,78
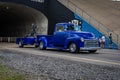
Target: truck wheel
20,44
42,45
36,45
92,51
73,48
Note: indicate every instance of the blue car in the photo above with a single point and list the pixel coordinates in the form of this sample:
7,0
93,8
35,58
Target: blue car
27,40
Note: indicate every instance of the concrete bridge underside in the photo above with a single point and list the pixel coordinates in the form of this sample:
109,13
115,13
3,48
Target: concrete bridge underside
16,20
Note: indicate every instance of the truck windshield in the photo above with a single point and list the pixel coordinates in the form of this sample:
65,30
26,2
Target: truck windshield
73,27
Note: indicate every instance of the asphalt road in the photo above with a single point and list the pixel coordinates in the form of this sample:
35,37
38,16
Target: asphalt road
61,65
109,57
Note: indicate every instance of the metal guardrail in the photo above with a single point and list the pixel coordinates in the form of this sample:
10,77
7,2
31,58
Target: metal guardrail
8,39
99,26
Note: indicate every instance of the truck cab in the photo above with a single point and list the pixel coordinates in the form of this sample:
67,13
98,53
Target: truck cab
69,36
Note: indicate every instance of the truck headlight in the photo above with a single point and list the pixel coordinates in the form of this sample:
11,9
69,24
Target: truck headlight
82,39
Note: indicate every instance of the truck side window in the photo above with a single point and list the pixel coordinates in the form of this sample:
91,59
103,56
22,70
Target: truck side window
59,28
70,27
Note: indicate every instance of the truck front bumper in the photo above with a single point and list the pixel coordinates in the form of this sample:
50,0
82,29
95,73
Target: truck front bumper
89,48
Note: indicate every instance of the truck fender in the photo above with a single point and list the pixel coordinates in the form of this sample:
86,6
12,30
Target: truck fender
44,41
68,41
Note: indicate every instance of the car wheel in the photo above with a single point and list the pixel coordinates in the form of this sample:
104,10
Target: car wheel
36,45
73,48
42,45
92,51
21,44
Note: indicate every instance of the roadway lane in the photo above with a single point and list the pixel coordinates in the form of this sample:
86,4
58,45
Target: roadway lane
101,57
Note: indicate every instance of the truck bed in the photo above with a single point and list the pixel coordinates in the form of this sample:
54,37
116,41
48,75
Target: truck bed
49,38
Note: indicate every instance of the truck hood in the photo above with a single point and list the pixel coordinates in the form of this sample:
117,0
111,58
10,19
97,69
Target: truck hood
85,35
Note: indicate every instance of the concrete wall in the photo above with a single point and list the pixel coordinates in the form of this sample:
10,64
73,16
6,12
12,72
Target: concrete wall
58,13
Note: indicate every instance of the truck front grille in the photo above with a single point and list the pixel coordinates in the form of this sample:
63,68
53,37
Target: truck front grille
91,43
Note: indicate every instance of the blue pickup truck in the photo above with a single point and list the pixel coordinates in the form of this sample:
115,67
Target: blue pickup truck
68,36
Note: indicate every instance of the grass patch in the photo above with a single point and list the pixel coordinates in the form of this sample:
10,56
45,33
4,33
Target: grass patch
9,74
1,58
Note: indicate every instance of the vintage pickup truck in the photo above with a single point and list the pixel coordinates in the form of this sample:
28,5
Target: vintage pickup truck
68,36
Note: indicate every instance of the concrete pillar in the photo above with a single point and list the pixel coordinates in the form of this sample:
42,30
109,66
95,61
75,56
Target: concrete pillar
9,39
0,39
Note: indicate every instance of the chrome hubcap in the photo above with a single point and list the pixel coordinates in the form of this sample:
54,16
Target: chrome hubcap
41,45
20,43
72,47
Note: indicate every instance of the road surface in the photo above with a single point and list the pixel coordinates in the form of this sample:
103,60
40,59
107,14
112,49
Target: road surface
102,56
102,65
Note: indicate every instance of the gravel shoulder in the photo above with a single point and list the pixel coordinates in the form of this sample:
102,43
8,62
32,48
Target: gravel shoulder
57,68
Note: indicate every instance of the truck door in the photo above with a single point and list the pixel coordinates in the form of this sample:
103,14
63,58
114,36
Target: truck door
60,36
